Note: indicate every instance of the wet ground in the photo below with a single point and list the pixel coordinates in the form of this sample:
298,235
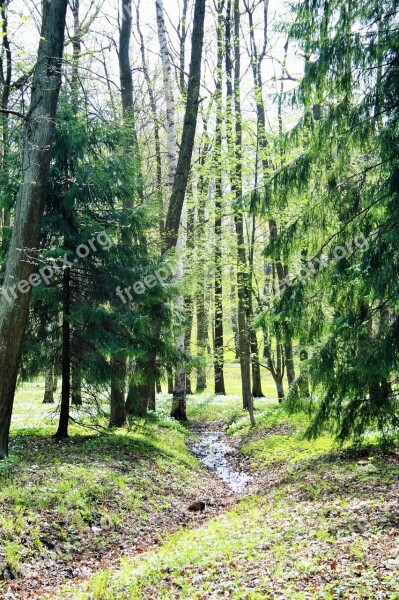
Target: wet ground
214,452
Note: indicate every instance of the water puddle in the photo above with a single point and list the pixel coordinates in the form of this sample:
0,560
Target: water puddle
213,452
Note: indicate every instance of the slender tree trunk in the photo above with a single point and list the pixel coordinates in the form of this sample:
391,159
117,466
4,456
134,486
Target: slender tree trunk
256,374
49,385
63,423
188,309
183,169
200,295
256,63
218,349
156,124
289,362
242,279
180,377
233,301
189,297
5,76
303,378
29,209
189,126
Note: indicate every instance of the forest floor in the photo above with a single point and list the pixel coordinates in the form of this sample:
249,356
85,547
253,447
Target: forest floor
104,516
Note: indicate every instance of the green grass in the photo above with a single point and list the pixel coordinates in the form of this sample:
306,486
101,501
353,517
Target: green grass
321,525
54,495
283,544
319,522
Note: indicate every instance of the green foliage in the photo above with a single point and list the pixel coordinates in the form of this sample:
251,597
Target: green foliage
92,201
341,186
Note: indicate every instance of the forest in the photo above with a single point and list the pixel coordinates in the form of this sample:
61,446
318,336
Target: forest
199,299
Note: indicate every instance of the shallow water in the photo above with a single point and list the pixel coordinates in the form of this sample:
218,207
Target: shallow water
213,452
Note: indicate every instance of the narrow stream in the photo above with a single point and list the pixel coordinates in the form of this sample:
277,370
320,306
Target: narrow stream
213,452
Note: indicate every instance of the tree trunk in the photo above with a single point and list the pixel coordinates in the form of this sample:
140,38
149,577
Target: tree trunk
182,173
63,423
171,383
233,301
49,385
188,309
256,374
189,126
256,59
137,401
180,380
5,78
38,139
141,394
289,362
118,410
188,298
200,295
218,349
76,396
236,185
303,378
138,398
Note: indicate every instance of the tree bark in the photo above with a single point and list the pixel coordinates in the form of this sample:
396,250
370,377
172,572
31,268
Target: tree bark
242,279
38,137
49,385
180,378
6,74
76,389
218,349
182,173
190,123
62,431
233,301
118,409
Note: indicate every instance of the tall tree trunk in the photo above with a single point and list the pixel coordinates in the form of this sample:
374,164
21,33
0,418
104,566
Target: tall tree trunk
236,185
139,396
218,349
183,169
256,59
200,293
256,374
180,377
38,139
156,124
62,431
189,126
233,302
5,77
